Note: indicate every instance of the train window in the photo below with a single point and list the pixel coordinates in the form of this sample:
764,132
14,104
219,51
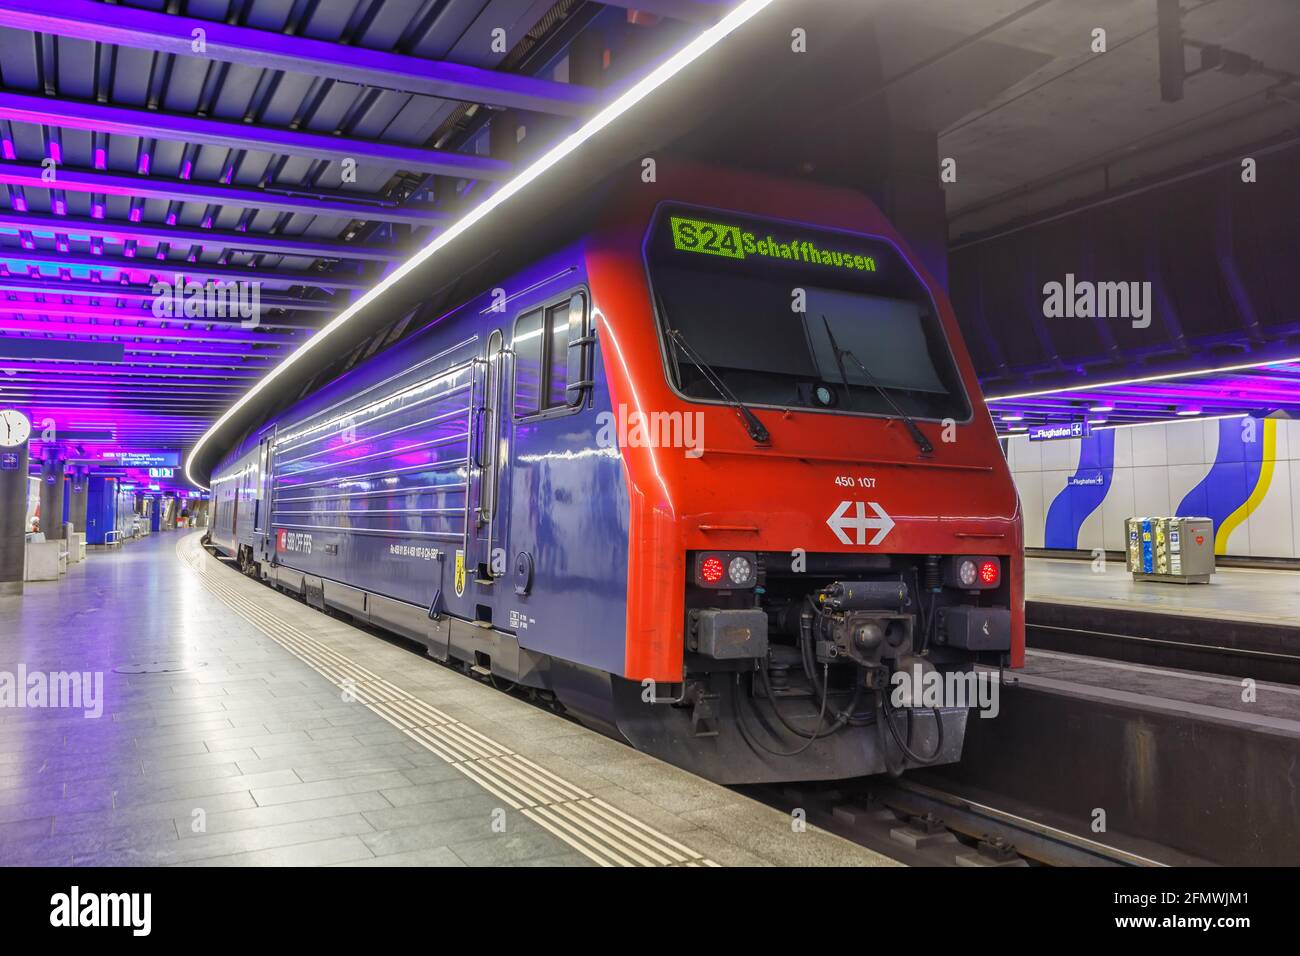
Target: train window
865,337
557,358
551,357
528,363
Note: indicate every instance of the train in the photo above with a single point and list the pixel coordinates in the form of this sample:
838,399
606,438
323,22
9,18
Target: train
711,472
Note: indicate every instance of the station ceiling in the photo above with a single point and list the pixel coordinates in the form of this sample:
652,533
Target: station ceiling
296,150
308,148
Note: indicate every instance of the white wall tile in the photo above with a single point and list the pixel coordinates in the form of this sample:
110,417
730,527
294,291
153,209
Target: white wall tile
1149,445
1090,532
1117,506
1030,487
1150,492
1294,468
1060,455
1029,454
1238,540
1185,443
1285,439
1271,532
1123,447
1181,480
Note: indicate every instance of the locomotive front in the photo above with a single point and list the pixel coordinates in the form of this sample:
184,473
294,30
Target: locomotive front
825,574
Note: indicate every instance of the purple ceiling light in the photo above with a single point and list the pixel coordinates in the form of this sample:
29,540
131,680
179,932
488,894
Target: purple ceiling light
1266,388
215,238
273,277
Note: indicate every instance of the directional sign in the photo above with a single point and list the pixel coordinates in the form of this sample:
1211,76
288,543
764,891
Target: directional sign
143,459
1053,432
841,521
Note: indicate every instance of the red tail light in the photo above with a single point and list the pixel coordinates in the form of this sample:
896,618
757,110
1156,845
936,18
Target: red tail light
990,571
712,570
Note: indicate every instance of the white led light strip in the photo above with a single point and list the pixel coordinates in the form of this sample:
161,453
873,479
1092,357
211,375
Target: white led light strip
1165,377
710,38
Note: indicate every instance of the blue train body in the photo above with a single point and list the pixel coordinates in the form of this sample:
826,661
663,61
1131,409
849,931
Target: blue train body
373,481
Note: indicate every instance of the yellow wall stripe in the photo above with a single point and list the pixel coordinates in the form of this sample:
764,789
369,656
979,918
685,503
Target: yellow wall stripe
1256,498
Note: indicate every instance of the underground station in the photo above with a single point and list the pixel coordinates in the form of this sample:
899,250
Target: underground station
652,433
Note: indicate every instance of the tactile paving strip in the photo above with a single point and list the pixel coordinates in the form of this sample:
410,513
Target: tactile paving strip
597,830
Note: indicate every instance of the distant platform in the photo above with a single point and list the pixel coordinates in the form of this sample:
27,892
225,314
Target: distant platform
1244,623
1244,594
240,726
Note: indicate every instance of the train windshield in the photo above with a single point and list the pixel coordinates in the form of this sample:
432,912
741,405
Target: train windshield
793,316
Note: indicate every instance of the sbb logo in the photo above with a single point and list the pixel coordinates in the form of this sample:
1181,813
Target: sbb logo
293,541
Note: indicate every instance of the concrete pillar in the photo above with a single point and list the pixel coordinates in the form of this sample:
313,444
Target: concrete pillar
13,517
52,469
77,488
862,143
903,179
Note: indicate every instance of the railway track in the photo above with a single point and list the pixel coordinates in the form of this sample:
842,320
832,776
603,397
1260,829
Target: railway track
921,825
1231,649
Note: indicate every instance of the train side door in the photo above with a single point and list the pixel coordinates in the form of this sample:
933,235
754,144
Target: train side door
550,491
262,489
486,562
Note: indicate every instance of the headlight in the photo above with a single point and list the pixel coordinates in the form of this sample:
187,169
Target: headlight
740,569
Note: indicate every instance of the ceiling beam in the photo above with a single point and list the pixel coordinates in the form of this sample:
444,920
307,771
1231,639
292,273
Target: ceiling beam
55,286
113,406
133,121
134,388
168,268
55,311
692,11
164,33
175,332
305,201
190,403
133,370
182,237
39,378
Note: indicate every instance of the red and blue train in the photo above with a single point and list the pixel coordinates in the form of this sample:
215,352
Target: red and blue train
712,471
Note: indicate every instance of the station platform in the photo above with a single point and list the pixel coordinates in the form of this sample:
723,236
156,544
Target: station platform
1245,594
1245,623
241,727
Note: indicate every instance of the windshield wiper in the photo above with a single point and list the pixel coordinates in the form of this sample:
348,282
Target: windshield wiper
918,436
753,426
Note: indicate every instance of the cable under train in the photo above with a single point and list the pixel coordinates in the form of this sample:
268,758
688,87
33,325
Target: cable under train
711,471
